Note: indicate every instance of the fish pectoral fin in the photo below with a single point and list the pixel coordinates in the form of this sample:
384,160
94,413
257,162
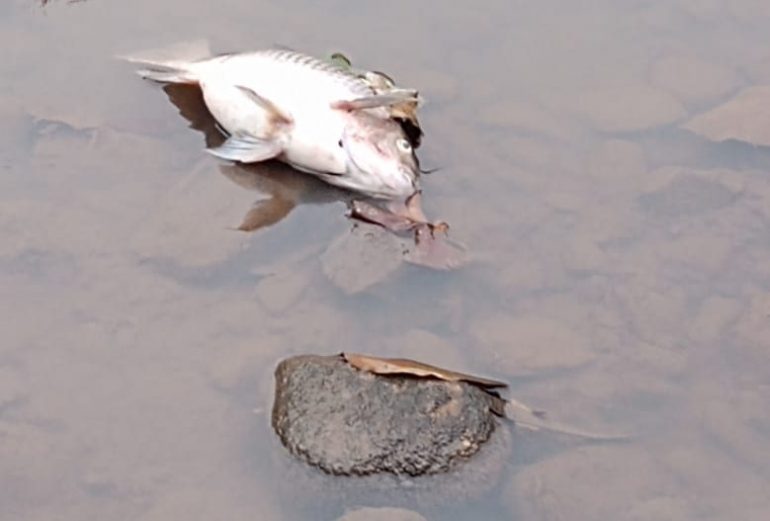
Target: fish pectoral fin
277,116
247,149
378,100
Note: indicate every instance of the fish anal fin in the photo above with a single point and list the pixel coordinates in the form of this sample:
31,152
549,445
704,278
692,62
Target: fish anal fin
247,149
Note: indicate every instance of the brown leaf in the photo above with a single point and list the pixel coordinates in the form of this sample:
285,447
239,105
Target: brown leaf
433,249
367,212
397,216
386,366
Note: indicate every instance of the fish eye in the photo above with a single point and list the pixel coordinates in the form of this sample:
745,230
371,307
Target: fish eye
404,145
339,143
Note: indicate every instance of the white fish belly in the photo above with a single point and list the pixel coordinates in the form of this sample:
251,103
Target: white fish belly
314,142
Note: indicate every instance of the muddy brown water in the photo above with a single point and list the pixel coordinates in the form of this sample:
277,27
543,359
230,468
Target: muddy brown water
619,276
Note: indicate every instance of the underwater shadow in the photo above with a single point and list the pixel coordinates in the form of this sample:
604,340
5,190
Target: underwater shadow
284,187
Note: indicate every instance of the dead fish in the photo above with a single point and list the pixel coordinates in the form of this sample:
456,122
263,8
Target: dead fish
309,113
404,112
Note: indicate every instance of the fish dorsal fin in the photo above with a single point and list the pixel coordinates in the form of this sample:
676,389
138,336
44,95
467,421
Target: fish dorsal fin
341,61
390,99
277,115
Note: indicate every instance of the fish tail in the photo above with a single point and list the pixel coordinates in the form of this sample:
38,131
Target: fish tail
172,64
167,75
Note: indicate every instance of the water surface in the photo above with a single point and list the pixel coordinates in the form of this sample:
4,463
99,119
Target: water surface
619,276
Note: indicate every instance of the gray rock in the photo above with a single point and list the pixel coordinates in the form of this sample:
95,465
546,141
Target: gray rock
687,195
628,107
348,422
692,79
744,118
362,258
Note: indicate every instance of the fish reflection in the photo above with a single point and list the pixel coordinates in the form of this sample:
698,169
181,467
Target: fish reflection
285,187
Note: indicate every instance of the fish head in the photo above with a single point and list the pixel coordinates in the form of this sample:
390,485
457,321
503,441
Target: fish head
380,158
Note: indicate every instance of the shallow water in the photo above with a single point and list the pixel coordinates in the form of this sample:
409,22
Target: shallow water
619,273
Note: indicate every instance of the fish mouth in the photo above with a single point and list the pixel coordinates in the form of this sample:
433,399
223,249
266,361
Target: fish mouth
383,188
406,185
399,191
412,175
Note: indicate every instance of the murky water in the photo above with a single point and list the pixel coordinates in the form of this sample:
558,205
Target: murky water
619,274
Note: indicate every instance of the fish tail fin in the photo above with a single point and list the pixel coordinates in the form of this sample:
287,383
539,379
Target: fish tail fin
172,64
167,75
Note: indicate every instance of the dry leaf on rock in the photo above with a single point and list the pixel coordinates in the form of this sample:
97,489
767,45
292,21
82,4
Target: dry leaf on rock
405,366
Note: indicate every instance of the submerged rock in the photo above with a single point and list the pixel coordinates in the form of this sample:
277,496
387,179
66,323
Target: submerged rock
346,421
745,118
363,431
